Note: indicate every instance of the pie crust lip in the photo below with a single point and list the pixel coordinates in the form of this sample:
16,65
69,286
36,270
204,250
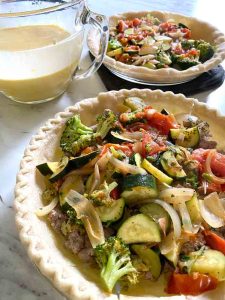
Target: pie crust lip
39,240
200,30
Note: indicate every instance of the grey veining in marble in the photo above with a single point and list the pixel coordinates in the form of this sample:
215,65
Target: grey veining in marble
19,279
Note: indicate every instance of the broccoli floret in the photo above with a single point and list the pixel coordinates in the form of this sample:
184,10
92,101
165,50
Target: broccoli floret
164,58
113,44
105,123
73,131
188,44
114,259
206,50
101,197
186,62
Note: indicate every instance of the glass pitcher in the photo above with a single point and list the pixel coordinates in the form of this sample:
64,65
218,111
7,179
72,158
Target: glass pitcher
40,47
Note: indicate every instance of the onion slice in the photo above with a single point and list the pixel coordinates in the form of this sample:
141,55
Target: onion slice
126,168
43,211
214,204
168,243
176,195
173,215
215,179
96,179
88,215
209,217
186,220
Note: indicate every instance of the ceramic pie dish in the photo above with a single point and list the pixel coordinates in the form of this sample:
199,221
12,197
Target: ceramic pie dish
72,278
166,76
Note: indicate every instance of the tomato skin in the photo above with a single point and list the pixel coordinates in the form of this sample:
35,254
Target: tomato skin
193,284
121,26
115,194
214,241
187,33
147,142
136,22
162,122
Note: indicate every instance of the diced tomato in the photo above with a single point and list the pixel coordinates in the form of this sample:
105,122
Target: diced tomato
192,52
149,147
167,26
121,26
132,48
187,32
137,126
115,194
123,41
162,122
87,150
127,149
193,284
129,23
217,162
136,22
214,241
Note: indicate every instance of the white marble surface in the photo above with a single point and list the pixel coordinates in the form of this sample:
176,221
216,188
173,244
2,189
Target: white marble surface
19,279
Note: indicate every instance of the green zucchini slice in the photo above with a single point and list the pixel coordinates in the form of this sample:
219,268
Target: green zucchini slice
72,182
171,166
139,229
115,52
156,172
48,168
80,161
61,170
113,213
150,258
191,136
138,188
158,214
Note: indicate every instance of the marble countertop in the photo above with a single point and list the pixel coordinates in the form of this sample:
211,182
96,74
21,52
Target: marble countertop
19,278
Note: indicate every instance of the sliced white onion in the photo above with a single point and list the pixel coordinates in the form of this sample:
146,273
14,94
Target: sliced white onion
43,211
176,195
205,186
96,179
186,219
82,171
173,215
215,179
168,243
209,217
87,213
136,135
214,204
126,168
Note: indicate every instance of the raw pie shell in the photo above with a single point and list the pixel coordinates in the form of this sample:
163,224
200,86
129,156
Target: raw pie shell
200,30
45,247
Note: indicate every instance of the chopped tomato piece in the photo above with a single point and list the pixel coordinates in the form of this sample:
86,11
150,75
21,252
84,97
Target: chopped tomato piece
193,284
149,147
214,241
121,26
87,150
115,194
167,26
162,122
187,32
136,22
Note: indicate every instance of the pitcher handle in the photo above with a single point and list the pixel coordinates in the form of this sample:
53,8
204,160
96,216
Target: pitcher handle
99,22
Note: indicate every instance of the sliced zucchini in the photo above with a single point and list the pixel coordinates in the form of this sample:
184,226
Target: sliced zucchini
211,262
194,210
72,182
173,255
80,161
149,65
139,229
115,137
157,213
138,188
171,166
115,52
165,112
113,213
134,103
48,168
188,138
156,172
60,171
163,38
135,159
150,258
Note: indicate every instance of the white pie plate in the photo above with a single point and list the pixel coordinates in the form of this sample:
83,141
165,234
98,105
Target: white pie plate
168,76
72,278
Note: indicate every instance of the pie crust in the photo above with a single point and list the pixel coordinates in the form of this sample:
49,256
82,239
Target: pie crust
200,30
72,278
